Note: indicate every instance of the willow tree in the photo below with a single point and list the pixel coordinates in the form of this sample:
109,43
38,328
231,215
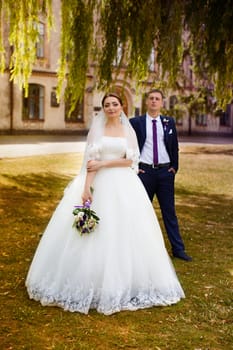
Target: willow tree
210,24
20,19
92,32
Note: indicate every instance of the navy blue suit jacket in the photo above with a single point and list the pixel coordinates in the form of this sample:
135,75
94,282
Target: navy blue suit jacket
170,136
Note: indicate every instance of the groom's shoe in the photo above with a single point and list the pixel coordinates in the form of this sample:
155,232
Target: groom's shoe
182,255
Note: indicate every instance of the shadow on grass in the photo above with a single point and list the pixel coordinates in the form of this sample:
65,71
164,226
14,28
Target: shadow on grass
206,224
217,207
220,150
26,206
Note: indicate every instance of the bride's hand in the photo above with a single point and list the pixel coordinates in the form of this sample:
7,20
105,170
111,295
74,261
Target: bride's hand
94,165
87,196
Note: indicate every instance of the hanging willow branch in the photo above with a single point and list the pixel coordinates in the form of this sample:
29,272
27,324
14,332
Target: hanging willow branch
22,19
134,26
93,31
211,26
170,44
76,44
2,49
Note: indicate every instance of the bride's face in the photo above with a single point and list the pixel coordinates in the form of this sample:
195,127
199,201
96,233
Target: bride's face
112,107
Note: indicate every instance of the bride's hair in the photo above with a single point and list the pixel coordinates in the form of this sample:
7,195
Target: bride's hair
111,94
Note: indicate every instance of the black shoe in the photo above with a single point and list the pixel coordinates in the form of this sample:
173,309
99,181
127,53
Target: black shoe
182,255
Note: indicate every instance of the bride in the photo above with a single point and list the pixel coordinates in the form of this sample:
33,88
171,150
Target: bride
123,264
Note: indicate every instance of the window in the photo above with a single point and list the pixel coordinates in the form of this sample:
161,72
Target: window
33,105
41,41
225,116
136,112
151,62
77,115
172,101
53,98
143,106
179,121
201,119
188,73
119,55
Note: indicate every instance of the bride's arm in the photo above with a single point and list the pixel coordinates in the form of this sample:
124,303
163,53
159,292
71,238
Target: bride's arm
95,165
87,194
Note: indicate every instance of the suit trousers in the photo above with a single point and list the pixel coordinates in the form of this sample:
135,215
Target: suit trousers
160,182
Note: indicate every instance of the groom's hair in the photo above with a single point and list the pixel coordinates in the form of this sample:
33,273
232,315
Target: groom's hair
155,90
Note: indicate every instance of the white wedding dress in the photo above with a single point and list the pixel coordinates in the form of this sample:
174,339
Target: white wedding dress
122,265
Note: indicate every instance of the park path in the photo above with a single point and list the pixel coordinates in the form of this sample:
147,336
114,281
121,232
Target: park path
12,146
30,145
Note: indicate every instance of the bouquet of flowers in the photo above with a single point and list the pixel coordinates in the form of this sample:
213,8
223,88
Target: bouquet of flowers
86,219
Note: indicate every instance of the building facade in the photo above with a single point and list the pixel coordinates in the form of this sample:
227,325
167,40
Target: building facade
40,112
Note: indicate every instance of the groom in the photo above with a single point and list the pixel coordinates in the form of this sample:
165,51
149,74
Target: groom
158,144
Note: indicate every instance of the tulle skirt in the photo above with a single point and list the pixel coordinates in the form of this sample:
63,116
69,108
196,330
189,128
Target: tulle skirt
122,265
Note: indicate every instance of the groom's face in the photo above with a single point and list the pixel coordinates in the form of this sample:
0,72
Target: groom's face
154,103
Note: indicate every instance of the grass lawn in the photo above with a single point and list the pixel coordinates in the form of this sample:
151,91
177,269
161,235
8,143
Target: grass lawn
30,189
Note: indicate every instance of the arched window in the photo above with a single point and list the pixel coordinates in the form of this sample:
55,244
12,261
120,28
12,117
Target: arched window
33,105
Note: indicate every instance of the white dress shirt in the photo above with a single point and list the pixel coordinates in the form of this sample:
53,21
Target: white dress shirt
147,151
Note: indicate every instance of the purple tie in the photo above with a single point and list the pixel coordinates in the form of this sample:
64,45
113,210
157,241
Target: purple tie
155,145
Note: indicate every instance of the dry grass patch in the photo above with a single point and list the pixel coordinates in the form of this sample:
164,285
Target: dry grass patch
30,190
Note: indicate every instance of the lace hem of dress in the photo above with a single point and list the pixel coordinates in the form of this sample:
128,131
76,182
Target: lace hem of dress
103,303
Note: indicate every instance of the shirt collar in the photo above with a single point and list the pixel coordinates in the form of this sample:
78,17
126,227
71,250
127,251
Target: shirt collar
151,118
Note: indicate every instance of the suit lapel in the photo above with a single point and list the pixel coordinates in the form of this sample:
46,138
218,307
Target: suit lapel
143,126
165,126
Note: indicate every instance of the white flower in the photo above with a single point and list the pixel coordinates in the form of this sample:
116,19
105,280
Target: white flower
80,215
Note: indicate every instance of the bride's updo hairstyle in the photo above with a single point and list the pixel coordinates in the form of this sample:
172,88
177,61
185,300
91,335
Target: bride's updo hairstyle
112,94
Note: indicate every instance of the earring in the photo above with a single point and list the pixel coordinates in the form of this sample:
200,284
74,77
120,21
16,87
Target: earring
121,118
